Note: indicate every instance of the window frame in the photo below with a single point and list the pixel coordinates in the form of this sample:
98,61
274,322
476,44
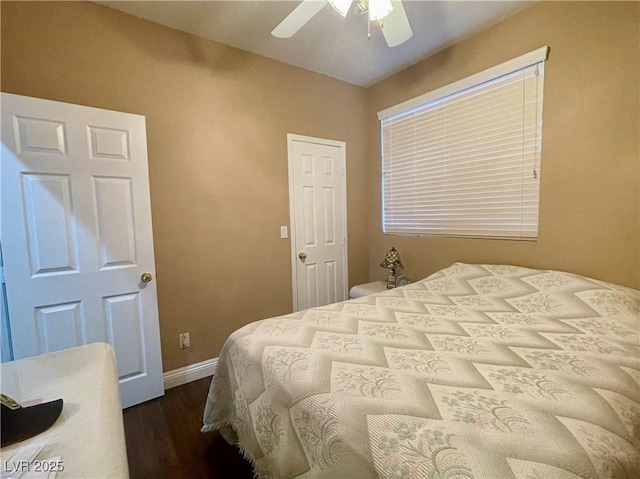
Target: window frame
474,82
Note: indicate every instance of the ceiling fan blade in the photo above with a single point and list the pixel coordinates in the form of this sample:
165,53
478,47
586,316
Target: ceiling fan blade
395,26
297,19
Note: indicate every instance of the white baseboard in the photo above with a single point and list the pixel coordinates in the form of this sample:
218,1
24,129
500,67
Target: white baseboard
193,372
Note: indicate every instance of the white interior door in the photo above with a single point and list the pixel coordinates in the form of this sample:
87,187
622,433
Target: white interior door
77,237
318,221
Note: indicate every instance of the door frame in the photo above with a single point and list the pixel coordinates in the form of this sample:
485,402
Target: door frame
291,137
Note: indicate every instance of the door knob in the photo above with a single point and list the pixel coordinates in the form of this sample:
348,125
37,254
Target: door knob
302,256
146,277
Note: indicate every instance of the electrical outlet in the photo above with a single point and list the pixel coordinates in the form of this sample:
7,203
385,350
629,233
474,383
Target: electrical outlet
185,342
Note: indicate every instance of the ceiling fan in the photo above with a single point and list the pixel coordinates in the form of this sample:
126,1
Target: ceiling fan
389,14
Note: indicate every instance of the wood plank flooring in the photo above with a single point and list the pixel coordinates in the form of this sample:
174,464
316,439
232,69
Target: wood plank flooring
164,439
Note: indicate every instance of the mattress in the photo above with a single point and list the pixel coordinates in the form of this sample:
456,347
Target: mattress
488,371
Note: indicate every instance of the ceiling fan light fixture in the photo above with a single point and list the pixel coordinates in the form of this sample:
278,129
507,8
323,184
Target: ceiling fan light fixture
341,6
378,9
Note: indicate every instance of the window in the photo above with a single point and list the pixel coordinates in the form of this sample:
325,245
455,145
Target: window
464,160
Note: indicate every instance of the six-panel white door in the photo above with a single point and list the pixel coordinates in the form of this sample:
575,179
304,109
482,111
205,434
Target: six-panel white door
318,215
77,236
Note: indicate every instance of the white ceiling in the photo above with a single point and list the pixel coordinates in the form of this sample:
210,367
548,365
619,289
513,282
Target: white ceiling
328,44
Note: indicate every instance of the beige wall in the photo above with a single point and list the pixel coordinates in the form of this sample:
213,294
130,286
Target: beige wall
217,120
590,191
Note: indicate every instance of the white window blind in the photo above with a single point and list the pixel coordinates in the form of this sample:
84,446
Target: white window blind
466,162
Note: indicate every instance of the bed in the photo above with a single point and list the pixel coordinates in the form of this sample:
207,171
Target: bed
488,371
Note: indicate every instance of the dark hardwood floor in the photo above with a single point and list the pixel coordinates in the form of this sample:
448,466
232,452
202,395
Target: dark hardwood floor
164,439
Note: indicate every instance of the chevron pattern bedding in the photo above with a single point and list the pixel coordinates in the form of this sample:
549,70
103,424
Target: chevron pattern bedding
487,371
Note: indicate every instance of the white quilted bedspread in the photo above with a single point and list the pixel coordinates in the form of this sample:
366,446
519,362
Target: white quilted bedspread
485,371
